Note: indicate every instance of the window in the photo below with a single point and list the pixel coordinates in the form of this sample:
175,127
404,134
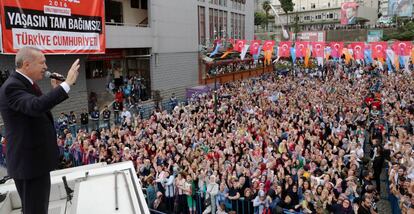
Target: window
144,4
329,4
318,17
134,3
201,25
307,18
216,24
243,27
211,24
113,11
313,5
225,30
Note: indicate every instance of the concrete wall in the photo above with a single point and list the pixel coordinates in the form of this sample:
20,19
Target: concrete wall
173,72
128,37
351,34
175,26
368,13
60,64
249,22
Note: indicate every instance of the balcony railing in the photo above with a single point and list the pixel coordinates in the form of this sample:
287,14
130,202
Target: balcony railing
127,24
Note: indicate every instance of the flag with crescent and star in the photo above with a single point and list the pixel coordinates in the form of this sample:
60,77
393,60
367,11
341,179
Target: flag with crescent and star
318,49
358,50
336,49
378,49
284,48
402,48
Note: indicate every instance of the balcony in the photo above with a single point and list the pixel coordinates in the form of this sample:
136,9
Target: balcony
124,35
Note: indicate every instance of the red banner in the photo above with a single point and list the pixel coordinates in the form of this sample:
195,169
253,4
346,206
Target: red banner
358,49
378,50
318,49
336,49
402,48
55,27
268,44
284,49
300,48
239,45
254,46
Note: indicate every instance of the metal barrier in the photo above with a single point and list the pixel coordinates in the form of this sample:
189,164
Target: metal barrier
240,206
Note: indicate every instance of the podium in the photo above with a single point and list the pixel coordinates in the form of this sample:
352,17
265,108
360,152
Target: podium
95,188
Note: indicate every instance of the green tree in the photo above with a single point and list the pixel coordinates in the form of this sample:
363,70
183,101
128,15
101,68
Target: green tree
287,6
259,18
266,7
296,27
404,33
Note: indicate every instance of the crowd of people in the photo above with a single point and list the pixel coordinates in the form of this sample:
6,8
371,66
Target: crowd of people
303,142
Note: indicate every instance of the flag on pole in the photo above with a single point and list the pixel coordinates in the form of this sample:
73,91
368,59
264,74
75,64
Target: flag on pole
244,51
336,49
239,45
284,49
402,48
254,47
318,49
301,48
218,45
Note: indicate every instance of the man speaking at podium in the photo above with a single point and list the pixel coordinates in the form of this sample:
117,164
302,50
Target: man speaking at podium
32,150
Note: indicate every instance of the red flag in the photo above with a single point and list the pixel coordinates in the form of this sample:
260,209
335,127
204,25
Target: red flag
284,49
402,48
239,45
254,46
358,49
336,49
268,44
300,48
318,49
378,50
231,41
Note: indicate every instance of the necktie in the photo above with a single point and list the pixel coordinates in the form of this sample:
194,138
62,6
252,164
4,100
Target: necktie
37,89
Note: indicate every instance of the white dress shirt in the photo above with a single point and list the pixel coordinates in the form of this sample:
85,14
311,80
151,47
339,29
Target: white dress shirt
64,85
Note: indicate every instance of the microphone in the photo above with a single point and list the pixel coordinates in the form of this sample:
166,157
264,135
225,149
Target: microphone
55,76
68,190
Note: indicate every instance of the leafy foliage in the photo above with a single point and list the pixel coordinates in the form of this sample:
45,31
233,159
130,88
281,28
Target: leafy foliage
259,18
404,32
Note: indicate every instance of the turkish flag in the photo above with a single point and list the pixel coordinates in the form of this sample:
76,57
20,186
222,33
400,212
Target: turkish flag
231,41
284,49
254,46
402,48
336,49
300,48
358,49
318,49
239,45
378,49
268,44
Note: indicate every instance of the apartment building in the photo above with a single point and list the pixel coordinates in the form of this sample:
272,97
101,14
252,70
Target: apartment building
319,15
155,40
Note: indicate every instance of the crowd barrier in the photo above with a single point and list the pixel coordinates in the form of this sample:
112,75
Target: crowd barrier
242,206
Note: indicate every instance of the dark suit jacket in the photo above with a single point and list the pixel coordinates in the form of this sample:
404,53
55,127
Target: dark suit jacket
29,128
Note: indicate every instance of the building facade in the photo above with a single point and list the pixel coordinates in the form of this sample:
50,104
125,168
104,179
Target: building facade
155,40
319,15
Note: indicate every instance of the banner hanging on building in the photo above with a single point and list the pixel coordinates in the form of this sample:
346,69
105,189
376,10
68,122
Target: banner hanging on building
349,13
400,8
55,27
374,35
310,36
